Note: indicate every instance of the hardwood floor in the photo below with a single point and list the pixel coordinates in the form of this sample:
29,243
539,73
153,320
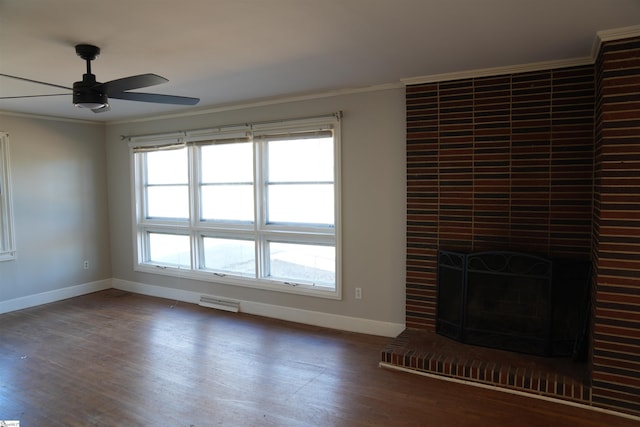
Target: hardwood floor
118,359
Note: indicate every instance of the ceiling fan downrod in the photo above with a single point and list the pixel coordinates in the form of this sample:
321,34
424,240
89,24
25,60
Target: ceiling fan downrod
84,93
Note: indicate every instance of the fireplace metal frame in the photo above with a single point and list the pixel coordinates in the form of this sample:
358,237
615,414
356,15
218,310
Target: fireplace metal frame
452,320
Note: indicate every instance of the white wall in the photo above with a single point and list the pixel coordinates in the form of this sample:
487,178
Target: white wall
60,211
373,202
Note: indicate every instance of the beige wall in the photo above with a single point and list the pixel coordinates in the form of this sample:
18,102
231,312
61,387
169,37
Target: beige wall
72,202
59,200
373,201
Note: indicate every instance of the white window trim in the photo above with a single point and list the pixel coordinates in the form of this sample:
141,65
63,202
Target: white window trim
7,231
141,225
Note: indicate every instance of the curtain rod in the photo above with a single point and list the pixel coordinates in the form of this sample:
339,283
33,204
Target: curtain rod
337,115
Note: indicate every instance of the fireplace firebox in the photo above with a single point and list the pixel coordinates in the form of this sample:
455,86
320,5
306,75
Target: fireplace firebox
512,301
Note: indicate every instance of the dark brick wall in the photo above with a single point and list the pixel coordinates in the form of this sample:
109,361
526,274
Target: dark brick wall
616,239
545,162
497,163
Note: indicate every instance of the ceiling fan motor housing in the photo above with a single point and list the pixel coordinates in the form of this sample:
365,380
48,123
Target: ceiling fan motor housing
86,96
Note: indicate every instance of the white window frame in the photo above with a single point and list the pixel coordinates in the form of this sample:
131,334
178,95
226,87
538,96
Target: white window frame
260,230
7,231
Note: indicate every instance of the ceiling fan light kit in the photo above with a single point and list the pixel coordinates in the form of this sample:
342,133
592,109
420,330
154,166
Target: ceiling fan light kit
91,94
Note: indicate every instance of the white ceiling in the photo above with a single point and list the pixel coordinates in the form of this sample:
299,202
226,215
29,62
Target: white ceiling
238,51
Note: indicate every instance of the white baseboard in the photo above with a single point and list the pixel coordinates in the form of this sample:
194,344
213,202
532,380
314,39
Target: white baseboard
315,318
53,296
308,317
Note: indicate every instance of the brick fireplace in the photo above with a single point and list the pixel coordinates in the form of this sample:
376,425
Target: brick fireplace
544,162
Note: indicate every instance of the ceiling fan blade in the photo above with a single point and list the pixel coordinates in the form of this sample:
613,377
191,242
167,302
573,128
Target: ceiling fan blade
155,97
132,82
35,81
33,96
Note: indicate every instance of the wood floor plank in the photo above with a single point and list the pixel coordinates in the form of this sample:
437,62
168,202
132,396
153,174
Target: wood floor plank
118,359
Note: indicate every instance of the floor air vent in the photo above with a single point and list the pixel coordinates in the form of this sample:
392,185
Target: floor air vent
219,303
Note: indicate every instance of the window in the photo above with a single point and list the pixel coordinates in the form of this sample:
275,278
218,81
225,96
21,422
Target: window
7,241
252,205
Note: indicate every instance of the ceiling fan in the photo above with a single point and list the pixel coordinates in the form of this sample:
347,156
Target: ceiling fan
94,95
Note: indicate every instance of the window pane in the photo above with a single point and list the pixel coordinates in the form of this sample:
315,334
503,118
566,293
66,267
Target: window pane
167,167
226,208
306,160
227,163
171,249
168,202
302,204
233,256
305,263
227,202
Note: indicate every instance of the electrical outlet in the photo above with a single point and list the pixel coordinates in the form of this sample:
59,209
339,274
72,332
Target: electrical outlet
358,293
86,265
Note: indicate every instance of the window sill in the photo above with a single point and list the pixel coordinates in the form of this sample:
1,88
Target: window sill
8,257
264,285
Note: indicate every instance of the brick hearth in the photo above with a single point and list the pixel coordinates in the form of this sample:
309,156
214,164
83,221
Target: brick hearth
424,351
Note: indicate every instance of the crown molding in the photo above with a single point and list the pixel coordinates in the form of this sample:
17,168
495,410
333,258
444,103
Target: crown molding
600,38
264,102
53,118
612,35
618,33
497,71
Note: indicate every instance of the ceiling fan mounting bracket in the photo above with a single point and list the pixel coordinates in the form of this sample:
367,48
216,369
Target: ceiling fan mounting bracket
87,52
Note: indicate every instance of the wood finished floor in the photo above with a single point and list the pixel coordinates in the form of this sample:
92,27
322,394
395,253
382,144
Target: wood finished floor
118,359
